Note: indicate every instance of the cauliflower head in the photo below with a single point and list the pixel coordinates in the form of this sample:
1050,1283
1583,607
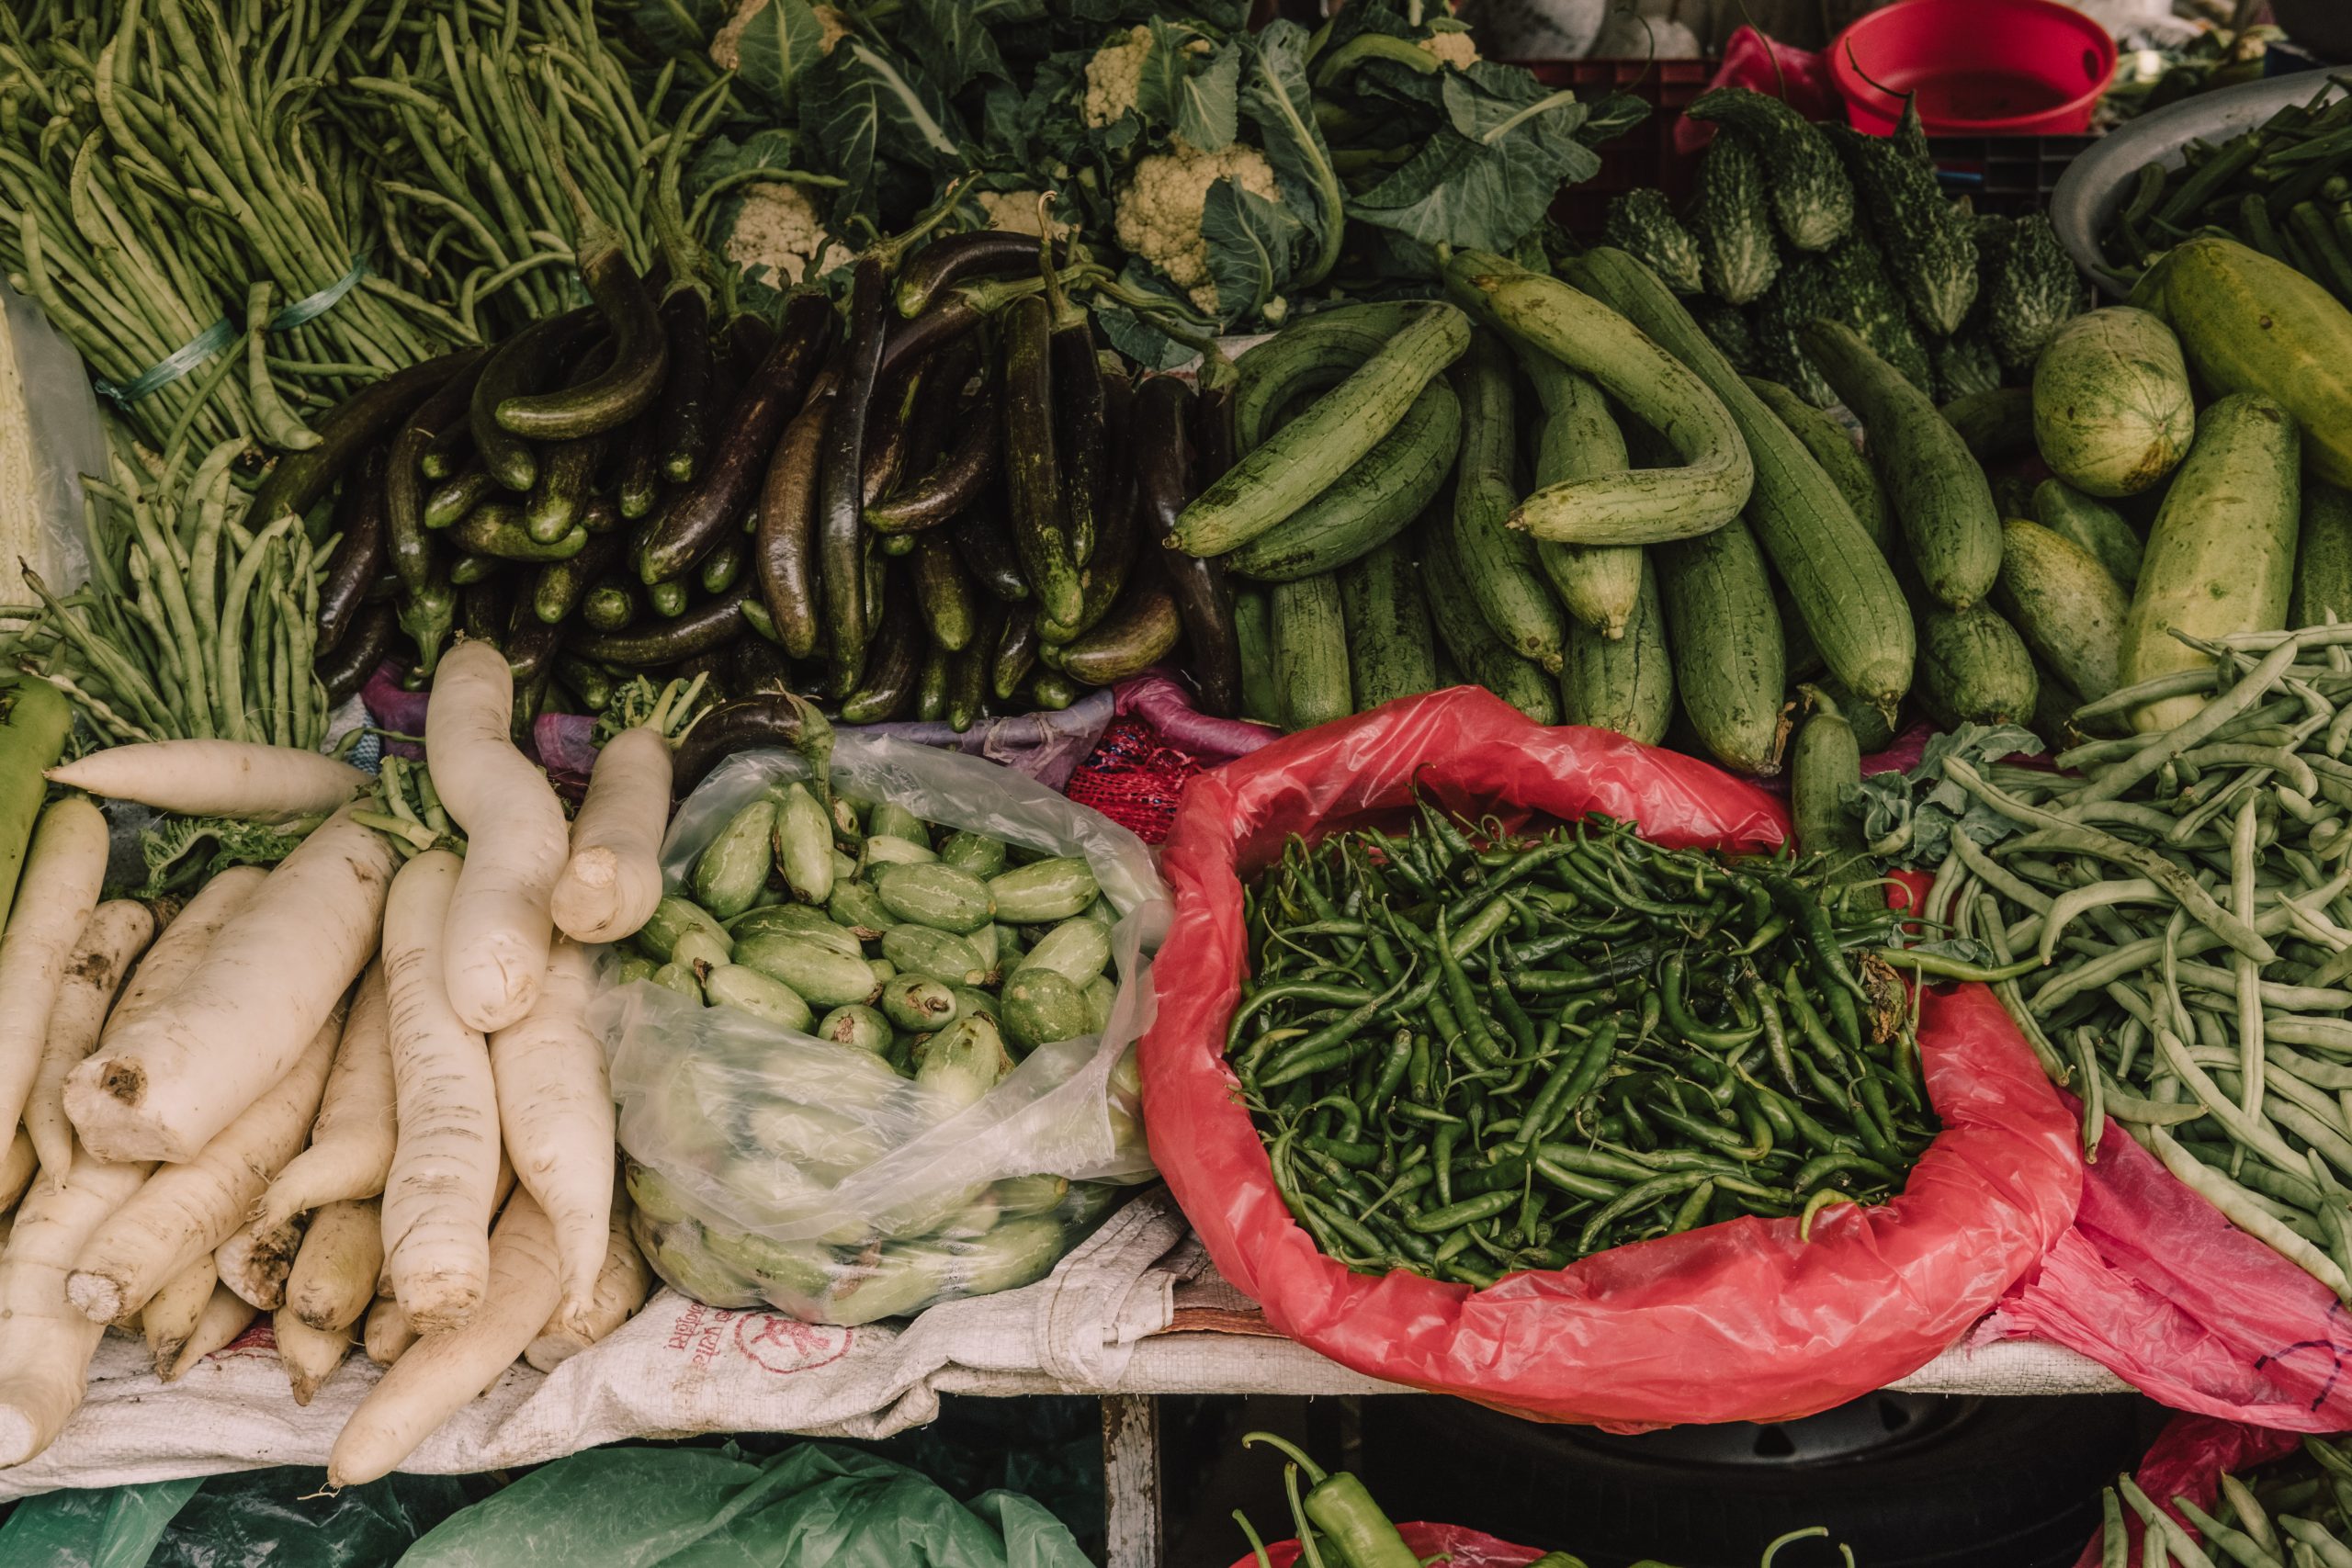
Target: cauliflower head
1113,74
1016,212
1458,50
727,46
1158,210
779,227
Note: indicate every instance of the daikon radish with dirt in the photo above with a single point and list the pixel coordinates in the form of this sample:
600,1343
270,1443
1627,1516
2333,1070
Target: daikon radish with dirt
555,1112
612,879
16,1164
165,1084
443,1371
226,1315
217,778
335,1274
173,1312
45,1342
254,1259
190,1208
438,1197
180,946
117,931
55,896
621,1287
388,1331
308,1355
500,919
351,1142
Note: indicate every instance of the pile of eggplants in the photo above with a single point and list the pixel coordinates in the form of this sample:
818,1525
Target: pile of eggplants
939,499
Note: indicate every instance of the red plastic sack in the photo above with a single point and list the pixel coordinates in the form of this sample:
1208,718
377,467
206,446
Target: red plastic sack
1461,1547
2188,1459
1739,1321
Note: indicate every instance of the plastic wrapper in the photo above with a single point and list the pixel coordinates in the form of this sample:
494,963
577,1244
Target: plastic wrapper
282,1517
1780,1327
2189,1460
1456,1546
768,1166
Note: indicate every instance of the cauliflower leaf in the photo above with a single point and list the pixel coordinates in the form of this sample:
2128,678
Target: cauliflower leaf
1280,102
1250,242
768,45
1487,175
1202,106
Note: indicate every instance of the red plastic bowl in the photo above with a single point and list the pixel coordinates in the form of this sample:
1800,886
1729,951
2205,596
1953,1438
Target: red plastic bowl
1979,67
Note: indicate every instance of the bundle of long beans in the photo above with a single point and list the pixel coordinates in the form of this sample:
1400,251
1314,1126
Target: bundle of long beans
2185,892
2296,1512
1471,1050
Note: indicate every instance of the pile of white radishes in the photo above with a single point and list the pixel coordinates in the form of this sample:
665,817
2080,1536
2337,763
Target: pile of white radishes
357,1091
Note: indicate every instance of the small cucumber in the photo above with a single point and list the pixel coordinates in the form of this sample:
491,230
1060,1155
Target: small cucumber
919,1002
1498,561
856,1026
858,909
1369,503
804,844
1077,950
1871,728
1725,636
732,868
1042,1006
698,951
919,950
824,976
888,816
1625,684
1464,633
1102,993
796,919
679,978
1043,891
1310,652
1390,651
936,896
1825,767
2070,612
988,941
975,852
1974,667
2323,556
973,1002
2112,410
1253,631
2093,525
671,919
1598,584
888,849
740,987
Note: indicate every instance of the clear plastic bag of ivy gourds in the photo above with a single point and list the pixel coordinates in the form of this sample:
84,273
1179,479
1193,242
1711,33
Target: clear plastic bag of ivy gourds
877,1048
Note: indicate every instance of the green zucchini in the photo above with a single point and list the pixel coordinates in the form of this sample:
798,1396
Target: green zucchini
1390,650
1462,628
34,719
2112,410
1849,600
2323,556
1598,584
1726,639
1839,458
1871,728
1307,357
2221,558
2063,604
1940,494
1370,503
1640,505
1253,631
1310,662
1498,561
2092,526
733,867
1974,667
1050,890
1825,767
1301,459
1624,683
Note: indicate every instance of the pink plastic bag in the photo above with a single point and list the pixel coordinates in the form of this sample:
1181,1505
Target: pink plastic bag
1461,1547
1749,58
2189,1460
1776,1327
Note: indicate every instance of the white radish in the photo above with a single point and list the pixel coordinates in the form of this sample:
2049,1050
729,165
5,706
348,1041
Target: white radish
621,1287
165,1084
613,879
59,888
173,1312
499,922
555,1109
45,1343
387,1332
438,1197
216,778
442,1371
225,1316
181,946
17,1168
335,1274
351,1143
254,1259
189,1209
308,1355
117,931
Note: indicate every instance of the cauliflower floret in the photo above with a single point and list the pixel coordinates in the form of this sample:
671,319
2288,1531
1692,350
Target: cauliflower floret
1457,50
1016,211
726,47
781,228
1113,74
1159,210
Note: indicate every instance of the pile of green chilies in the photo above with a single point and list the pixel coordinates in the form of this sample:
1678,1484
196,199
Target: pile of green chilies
2186,893
2296,1512
1471,1051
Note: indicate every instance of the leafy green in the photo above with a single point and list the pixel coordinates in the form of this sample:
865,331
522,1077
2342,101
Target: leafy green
1281,104
1488,176
1251,242
1910,817
180,851
679,27
1202,106
782,40
1130,332
952,38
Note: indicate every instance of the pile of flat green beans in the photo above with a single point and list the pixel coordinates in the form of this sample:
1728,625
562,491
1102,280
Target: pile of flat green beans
2296,1512
2177,903
1472,1052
